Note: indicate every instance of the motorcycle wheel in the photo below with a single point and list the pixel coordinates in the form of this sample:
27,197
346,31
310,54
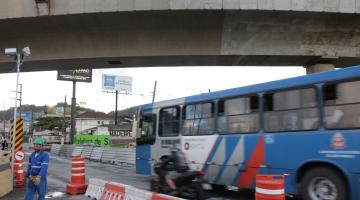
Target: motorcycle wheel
155,186
194,191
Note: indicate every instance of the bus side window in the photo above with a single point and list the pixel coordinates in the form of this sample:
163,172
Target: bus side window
198,119
291,110
169,121
342,105
238,115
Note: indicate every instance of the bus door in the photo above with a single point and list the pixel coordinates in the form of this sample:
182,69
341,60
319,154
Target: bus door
145,138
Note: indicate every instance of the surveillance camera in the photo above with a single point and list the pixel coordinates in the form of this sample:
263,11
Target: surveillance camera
26,51
10,51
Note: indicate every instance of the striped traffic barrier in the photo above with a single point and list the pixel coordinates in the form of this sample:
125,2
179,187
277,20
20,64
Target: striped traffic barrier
78,185
95,188
120,191
113,191
270,187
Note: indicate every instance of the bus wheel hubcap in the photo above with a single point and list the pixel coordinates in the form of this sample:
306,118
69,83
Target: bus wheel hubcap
321,188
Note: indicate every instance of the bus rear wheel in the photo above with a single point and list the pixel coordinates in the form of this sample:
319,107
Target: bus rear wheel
323,183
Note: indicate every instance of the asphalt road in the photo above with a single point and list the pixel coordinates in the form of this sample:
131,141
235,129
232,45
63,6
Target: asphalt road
59,174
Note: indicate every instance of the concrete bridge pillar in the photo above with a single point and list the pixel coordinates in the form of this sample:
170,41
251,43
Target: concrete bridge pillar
319,68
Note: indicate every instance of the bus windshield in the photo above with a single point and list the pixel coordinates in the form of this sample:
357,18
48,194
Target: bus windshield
147,129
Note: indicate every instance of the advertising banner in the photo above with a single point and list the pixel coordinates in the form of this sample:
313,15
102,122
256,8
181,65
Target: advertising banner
26,116
98,140
80,75
117,83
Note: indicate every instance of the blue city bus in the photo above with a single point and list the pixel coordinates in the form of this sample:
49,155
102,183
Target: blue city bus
306,127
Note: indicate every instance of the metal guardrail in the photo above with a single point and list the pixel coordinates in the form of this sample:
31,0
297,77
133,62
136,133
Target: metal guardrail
97,153
77,151
108,155
66,150
55,148
124,156
86,152
112,155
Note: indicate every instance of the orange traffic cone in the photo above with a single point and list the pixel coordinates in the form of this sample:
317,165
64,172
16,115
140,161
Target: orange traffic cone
270,187
77,185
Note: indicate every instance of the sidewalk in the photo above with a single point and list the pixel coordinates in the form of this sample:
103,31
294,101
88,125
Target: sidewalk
56,190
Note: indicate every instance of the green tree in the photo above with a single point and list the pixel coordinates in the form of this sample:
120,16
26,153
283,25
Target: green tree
50,123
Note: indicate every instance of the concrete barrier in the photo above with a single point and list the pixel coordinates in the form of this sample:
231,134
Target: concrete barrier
5,174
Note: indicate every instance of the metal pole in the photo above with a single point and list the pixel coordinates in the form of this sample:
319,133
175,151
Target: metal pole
73,113
4,118
18,62
20,100
64,108
63,130
116,108
154,92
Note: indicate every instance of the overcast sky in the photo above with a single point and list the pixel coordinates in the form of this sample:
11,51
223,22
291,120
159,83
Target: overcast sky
43,88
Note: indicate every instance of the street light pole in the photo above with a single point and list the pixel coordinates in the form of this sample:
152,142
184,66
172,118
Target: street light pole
18,59
18,63
73,114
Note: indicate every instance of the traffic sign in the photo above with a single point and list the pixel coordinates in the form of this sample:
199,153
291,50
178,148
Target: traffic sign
19,156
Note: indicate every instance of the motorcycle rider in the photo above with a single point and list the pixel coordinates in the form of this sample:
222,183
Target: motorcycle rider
176,161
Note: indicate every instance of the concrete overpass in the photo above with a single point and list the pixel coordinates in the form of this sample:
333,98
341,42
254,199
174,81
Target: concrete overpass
141,33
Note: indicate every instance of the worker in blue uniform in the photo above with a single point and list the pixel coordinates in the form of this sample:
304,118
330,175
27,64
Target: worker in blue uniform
36,181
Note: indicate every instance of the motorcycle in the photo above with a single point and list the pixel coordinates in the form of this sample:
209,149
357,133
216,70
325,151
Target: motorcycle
189,185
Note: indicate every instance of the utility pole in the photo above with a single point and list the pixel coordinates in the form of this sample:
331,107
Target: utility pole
154,93
20,100
4,119
116,106
73,113
64,108
64,128
32,122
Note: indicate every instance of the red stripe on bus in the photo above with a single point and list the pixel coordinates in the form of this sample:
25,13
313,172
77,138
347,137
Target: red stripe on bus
253,165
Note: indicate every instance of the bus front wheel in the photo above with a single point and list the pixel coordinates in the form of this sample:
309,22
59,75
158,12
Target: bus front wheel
323,184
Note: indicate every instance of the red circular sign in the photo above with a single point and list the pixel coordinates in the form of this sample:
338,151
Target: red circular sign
186,146
19,156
